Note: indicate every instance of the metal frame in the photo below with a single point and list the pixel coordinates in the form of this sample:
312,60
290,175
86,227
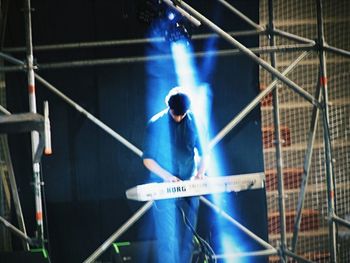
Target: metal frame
319,101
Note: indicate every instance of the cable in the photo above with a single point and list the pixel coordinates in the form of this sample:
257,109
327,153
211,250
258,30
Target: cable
205,248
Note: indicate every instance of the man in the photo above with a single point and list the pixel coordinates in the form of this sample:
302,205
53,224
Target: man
170,149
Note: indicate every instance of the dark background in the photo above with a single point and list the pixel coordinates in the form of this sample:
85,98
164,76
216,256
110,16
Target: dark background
89,171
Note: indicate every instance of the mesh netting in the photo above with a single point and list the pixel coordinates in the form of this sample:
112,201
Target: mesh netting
299,18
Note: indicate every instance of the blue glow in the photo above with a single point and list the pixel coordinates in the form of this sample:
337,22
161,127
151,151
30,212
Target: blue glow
171,16
188,77
163,74
229,245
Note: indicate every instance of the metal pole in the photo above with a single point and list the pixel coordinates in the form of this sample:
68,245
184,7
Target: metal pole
293,37
267,252
235,121
111,61
119,232
34,134
14,191
329,165
237,224
306,169
250,54
111,43
90,116
4,110
278,145
341,221
335,50
298,258
15,230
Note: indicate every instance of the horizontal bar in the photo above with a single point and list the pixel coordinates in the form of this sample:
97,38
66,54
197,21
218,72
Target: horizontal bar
112,61
267,252
295,256
293,36
337,50
12,59
121,42
341,221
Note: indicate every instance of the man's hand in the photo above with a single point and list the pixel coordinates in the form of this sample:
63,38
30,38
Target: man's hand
172,179
199,176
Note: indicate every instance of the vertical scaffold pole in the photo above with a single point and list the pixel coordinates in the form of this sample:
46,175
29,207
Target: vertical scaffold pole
327,139
278,147
34,134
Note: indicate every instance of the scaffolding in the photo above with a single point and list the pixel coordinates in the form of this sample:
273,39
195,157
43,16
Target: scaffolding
305,125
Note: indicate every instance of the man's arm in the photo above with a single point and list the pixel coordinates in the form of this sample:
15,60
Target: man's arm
201,168
155,168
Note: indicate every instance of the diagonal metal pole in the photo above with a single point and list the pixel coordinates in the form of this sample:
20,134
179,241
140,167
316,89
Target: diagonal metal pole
295,256
119,232
237,224
92,118
239,117
249,53
18,232
14,191
306,169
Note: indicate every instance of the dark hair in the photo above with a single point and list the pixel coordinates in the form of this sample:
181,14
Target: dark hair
178,101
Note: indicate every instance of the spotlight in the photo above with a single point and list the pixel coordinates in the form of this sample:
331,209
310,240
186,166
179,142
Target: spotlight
171,16
176,32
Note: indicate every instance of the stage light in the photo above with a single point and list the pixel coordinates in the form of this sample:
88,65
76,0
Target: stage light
171,16
175,32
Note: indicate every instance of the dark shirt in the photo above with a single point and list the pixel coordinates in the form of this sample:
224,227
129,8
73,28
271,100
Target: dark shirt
171,144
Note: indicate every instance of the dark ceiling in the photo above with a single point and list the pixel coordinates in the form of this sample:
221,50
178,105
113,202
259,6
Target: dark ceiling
81,21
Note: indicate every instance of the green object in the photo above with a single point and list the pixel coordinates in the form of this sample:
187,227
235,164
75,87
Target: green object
42,250
120,244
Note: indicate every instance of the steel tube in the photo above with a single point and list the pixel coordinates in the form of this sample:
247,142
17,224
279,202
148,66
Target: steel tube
99,123
267,252
119,232
341,221
15,230
34,134
278,145
250,54
293,36
335,50
298,258
112,61
327,139
111,43
306,169
238,118
237,224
